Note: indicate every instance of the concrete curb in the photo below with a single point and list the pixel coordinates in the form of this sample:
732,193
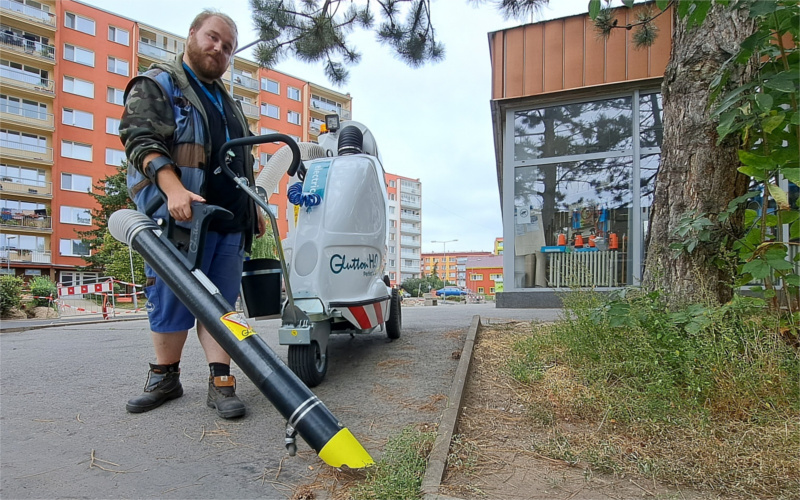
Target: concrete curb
437,460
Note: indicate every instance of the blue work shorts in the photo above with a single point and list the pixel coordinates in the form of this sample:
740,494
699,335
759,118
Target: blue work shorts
222,263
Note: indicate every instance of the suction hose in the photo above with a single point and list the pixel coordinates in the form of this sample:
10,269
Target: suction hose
351,141
306,414
276,167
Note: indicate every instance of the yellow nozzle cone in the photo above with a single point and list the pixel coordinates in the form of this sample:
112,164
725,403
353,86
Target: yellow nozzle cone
344,449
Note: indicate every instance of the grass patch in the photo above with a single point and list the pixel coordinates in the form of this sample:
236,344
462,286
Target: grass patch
707,397
398,474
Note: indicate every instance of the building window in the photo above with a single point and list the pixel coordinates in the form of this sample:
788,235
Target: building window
115,96
75,182
112,126
496,277
76,150
391,262
73,248
23,107
77,118
79,23
392,184
295,138
78,55
293,117
270,110
22,175
480,289
118,66
476,277
264,157
270,86
265,131
25,142
78,87
118,35
114,157
76,215
293,93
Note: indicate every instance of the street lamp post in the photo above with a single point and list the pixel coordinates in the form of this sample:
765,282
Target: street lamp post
8,252
444,257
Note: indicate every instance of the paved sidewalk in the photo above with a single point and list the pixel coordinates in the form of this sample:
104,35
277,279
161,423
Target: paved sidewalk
20,325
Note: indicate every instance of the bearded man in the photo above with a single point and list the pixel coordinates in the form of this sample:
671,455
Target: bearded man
177,116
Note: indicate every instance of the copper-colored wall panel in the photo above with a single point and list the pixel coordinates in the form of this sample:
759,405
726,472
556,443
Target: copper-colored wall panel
574,33
662,48
498,64
568,53
515,62
554,55
534,60
595,65
615,62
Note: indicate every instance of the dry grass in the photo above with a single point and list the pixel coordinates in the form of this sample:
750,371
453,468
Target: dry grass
558,417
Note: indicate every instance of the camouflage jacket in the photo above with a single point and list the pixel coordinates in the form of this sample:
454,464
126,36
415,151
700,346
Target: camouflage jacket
163,114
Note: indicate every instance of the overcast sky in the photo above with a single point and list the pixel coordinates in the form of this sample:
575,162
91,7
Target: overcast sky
431,123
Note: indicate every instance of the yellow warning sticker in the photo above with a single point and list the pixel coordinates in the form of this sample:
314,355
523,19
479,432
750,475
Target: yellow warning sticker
238,325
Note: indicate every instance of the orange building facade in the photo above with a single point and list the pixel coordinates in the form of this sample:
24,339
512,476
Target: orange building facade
577,131
485,275
65,66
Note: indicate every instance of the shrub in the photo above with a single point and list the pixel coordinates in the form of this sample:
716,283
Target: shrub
43,286
10,293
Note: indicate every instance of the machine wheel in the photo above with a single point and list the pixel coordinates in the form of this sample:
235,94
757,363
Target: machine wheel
395,322
308,363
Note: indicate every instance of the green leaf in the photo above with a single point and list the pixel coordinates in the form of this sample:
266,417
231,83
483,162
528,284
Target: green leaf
754,172
781,84
781,198
627,3
794,230
795,119
792,279
764,101
594,8
757,161
773,122
758,269
792,175
662,4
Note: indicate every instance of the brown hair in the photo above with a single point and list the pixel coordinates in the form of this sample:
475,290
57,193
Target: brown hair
201,18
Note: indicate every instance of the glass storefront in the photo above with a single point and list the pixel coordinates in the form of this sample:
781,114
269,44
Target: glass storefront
583,178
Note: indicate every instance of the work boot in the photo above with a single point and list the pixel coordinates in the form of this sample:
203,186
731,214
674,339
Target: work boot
222,396
163,383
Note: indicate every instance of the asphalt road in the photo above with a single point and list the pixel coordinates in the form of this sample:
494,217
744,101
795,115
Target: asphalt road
64,431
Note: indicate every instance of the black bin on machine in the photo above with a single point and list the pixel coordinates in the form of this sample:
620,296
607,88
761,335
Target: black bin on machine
261,288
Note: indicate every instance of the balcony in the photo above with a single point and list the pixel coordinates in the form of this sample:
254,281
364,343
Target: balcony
26,151
26,116
154,52
325,107
409,269
408,216
250,110
409,189
18,185
21,45
30,256
27,13
409,242
409,229
246,82
410,203
19,219
27,81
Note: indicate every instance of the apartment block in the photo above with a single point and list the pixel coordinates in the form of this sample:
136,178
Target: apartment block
450,266
405,228
64,67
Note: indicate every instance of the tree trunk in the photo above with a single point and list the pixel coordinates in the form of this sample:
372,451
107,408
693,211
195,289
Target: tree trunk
695,173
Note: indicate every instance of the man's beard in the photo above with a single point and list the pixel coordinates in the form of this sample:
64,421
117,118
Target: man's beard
206,65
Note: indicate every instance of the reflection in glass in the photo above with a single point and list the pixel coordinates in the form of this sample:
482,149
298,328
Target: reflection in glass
572,223
651,127
590,127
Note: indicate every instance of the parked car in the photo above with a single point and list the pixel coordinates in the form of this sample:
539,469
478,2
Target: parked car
450,291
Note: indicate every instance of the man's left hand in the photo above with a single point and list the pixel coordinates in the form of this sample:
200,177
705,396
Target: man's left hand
262,226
